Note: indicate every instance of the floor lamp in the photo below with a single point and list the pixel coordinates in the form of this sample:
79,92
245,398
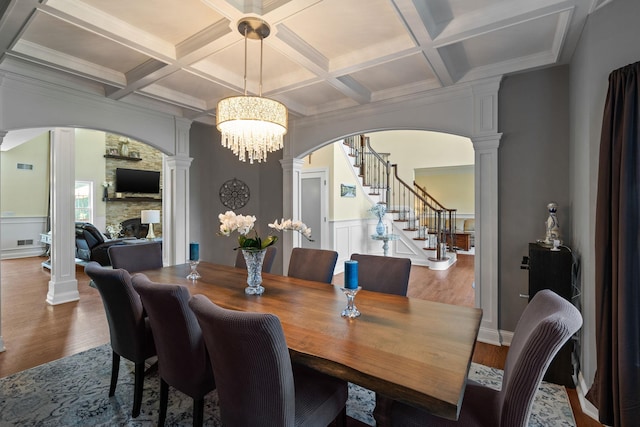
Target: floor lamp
150,217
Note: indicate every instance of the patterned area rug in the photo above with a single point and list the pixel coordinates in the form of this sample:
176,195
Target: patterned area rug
74,392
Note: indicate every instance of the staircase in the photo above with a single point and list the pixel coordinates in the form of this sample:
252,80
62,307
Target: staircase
419,219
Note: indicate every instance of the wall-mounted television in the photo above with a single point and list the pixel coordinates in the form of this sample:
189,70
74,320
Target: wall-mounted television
137,181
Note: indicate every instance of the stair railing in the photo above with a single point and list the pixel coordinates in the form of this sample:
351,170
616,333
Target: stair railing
376,170
421,215
450,214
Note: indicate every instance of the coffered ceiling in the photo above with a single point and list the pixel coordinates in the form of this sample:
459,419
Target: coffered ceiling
182,56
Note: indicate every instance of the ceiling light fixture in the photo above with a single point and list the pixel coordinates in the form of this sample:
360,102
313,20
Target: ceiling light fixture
252,126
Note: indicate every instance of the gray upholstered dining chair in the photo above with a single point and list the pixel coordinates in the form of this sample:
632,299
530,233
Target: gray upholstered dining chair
389,275
129,329
257,383
312,264
269,257
136,257
183,362
545,325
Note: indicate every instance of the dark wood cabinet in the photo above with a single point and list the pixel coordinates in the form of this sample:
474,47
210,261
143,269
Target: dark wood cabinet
553,270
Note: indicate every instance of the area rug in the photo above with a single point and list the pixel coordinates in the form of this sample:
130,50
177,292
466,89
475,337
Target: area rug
74,392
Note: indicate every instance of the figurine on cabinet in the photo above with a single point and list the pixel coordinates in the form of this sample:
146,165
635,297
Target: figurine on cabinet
553,227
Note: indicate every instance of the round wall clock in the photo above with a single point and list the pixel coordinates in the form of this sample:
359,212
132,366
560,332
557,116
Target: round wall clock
234,193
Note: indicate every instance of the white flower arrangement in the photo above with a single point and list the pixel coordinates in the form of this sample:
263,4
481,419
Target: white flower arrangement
243,224
288,224
230,222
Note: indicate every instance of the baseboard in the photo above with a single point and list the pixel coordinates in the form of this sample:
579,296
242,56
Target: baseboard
489,336
26,252
586,406
506,336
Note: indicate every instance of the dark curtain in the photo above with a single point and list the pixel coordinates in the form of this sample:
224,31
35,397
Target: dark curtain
616,388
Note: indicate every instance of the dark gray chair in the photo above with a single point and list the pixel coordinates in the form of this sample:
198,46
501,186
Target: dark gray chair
312,264
546,324
256,381
383,274
183,362
136,257
129,329
269,257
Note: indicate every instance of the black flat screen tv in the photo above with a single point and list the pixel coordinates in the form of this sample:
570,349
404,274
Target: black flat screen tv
137,181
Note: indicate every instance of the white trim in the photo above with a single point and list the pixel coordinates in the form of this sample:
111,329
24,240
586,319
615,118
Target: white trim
323,174
506,337
586,406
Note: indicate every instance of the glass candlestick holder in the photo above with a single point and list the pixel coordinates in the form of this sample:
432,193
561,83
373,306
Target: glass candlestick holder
194,275
351,311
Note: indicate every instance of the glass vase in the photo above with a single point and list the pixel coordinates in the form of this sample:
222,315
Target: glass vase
254,259
380,227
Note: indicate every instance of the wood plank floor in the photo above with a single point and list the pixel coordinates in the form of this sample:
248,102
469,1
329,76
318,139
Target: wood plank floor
35,332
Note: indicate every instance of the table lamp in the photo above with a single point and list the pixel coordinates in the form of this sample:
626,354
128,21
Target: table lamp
150,217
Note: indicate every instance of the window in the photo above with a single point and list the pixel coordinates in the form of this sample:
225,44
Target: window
84,201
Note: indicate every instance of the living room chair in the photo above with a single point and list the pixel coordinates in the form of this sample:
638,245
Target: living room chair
137,256
269,257
129,328
389,275
545,325
257,383
183,361
312,264
92,245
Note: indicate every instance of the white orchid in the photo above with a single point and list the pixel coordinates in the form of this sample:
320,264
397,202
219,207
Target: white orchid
288,224
230,222
243,224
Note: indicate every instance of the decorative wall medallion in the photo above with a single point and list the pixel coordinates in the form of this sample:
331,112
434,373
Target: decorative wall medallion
234,193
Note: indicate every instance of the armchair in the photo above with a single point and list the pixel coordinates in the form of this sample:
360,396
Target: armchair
92,245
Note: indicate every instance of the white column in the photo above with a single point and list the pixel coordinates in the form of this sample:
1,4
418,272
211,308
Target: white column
63,286
486,141
486,258
2,347
175,199
292,170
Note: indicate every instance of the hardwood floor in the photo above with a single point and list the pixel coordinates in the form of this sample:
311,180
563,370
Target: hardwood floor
452,286
35,332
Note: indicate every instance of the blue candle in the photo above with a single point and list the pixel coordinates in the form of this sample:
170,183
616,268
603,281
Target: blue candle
351,274
194,251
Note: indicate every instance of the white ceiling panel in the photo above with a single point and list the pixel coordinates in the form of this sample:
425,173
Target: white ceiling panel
322,55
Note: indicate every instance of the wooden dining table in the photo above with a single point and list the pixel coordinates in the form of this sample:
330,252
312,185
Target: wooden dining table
405,349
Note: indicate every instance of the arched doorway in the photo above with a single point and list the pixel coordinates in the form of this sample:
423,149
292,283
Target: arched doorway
38,106
471,110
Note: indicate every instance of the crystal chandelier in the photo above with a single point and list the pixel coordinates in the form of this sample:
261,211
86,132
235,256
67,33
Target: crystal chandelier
252,126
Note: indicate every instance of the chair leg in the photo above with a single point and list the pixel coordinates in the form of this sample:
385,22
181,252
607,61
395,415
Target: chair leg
115,369
164,398
198,412
341,419
138,386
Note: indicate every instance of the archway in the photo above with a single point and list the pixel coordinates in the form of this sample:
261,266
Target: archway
29,104
469,110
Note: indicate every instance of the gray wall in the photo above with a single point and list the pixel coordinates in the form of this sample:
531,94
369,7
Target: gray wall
608,42
213,165
533,161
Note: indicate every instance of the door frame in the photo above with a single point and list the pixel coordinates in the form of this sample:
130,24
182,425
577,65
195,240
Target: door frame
323,174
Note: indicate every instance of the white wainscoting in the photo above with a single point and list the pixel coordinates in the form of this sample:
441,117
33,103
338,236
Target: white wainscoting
354,237
13,229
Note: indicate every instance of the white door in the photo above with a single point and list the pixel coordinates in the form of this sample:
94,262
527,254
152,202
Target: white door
313,198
